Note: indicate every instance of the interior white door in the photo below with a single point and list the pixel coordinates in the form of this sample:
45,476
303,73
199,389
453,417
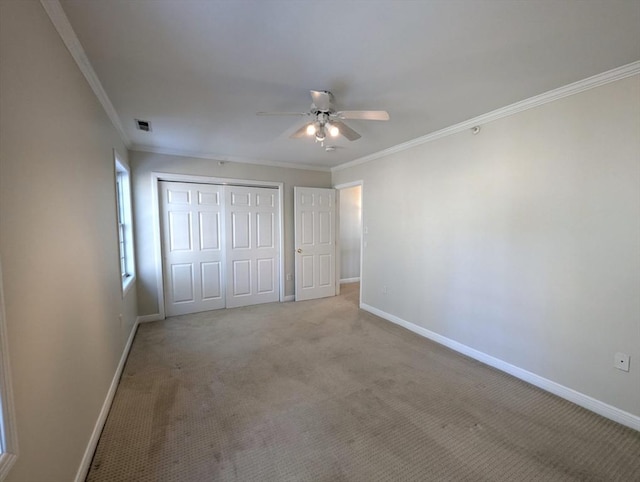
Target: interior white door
315,214
192,235
252,245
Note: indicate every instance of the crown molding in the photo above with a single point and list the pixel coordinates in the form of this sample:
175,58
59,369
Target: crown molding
61,23
220,158
550,96
65,30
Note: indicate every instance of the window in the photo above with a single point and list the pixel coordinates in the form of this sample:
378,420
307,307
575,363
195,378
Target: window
125,227
8,438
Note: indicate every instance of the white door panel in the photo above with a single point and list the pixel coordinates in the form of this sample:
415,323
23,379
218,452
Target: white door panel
315,242
253,245
182,283
210,231
265,223
306,219
192,252
240,198
211,280
324,276
241,278
240,227
325,231
211,198
265,275
180,231
179,196
307,271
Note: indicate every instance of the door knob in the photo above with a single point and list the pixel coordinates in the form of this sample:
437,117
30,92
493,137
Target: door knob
299,250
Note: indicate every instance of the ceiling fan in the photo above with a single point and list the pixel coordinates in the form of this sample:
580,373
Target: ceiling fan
326,121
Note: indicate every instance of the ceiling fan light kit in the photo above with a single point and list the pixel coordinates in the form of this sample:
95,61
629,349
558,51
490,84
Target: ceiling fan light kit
327,120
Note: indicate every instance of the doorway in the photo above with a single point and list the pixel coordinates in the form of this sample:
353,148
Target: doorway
350,229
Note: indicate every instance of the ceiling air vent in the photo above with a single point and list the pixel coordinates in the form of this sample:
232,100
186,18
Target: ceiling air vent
143,125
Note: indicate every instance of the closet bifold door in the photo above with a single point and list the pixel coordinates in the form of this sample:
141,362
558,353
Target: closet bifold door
251,245
192,248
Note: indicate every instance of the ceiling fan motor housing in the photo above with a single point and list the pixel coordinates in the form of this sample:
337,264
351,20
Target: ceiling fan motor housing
327,121
322,117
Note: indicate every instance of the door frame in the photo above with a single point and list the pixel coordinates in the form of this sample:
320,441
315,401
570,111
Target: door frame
339,188
156,177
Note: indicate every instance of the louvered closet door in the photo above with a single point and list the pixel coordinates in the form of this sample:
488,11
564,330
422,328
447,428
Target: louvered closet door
192,217
252,245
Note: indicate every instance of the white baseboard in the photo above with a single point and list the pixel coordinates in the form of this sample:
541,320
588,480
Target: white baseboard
590,403
148,318
104,412
349,280
289,298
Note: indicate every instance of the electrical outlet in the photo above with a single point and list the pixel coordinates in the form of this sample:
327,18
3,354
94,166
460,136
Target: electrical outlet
289,276
385,290
621,361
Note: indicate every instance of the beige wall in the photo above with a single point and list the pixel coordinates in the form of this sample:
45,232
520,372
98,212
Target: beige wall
522,242
58,245
143,164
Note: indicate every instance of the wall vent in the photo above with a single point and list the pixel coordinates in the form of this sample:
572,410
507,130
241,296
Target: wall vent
143,125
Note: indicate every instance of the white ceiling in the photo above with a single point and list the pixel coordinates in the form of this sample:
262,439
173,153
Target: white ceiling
200,70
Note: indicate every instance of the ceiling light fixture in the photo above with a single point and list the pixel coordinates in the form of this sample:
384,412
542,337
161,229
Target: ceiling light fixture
311,129
333,130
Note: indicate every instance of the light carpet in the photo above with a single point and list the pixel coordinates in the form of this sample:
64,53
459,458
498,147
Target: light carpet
322,391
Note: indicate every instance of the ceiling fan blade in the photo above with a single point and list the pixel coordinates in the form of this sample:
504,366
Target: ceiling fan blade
346,131
300,132
283,113
322,100
379,115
